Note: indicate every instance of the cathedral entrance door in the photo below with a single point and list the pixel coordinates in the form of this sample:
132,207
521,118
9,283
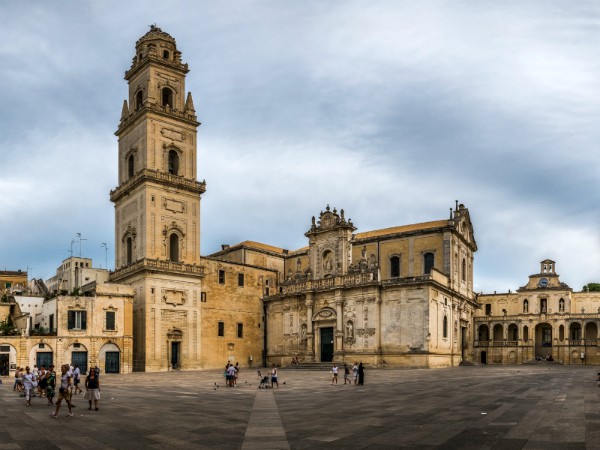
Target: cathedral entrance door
327,344
175,361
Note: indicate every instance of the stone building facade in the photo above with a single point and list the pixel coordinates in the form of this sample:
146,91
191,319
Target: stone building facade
86,330
541,319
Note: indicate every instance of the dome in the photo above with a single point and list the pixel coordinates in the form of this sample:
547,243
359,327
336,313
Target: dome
153,34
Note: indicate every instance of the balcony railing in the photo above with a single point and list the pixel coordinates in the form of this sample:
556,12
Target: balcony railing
155,175
326,283
156,264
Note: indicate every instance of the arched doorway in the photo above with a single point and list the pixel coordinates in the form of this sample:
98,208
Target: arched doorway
174,339
77,354
543,340
8,359
484,333
41,355
591,331
325,328
513,332
110,354
498,333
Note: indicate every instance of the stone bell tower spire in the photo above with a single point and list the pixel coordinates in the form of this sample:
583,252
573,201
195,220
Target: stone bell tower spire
157,206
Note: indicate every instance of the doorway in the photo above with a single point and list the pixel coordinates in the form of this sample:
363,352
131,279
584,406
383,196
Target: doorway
4,365
464,343
80,359
483,358
44,359
175,355
111,364
327,344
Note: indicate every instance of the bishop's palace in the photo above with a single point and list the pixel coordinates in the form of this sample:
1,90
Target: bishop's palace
399,296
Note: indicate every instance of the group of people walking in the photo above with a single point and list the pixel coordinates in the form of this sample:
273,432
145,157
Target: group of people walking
358,374
43,383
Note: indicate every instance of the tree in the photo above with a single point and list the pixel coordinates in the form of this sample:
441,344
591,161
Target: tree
592,287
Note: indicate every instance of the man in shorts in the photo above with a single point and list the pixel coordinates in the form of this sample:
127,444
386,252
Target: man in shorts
64,392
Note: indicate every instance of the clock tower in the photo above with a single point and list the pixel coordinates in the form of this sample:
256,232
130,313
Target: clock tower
157,207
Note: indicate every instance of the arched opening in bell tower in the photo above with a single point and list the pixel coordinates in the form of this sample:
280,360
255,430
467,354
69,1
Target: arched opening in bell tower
174,247
130,166
173,162
167,97
129,256
139,100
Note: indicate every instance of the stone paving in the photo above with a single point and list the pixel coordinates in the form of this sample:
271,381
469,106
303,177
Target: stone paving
531,407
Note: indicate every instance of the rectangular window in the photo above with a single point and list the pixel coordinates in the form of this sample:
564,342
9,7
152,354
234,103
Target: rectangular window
203,297
488,309
266,292
240,330
221,328
76,320
240,279
221,277
110,320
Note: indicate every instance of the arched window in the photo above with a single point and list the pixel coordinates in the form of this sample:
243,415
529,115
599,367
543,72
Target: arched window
525,333
428,262
464,270
513,332
575,331
129,256
167,97
394,266
174,247
131,166
445,331
166,54
525,306
139,100
484,333
561,333
173,162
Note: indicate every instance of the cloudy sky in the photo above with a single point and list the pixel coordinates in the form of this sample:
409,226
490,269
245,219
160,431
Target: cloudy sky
391,110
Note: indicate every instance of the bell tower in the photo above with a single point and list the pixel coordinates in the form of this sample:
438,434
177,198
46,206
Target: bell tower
157,207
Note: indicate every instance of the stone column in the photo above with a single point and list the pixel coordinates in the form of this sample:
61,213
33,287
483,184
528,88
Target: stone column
310,350
378,327
339,332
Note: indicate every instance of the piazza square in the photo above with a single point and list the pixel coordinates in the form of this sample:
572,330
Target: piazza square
533,406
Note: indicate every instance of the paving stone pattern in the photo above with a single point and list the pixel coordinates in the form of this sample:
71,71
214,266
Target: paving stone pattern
510,407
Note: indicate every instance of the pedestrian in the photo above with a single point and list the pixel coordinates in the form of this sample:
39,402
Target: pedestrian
28,384
274,377
50,385
355,372
42,382
77,379
16,385
347,374
259,374
92,389
598,379
237,372
334,373
64,392
361,374
231,375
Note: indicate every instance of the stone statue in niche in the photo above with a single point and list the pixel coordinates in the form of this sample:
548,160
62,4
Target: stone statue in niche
298,265
349,330
327,262
363,252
